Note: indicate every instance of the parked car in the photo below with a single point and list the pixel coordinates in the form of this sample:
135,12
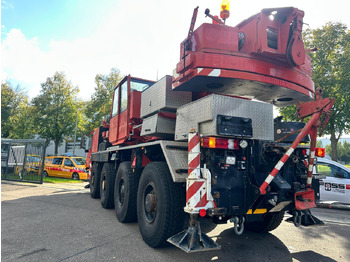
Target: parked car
335,186
65,167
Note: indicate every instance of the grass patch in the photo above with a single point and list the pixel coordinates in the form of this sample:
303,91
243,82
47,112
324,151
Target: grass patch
57,180
36,178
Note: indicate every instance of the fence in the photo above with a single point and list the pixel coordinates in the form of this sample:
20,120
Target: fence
23,160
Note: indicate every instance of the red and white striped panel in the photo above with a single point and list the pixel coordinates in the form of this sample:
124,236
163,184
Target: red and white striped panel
196,187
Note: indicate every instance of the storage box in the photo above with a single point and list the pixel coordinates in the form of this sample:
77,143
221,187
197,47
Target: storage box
202,115
160,96
158,126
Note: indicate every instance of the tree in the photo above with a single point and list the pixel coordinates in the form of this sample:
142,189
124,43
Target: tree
331,72
56,108
101,100
16,113
23,121
343,151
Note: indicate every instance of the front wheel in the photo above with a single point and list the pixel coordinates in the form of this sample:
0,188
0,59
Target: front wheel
160,204
75,176
95,180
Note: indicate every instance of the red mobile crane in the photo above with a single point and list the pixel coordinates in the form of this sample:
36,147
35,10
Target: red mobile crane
197,144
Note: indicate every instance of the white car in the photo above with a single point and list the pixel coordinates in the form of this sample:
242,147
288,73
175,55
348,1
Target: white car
336,184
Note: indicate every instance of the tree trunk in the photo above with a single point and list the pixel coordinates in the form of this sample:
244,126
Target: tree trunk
56,147
334,146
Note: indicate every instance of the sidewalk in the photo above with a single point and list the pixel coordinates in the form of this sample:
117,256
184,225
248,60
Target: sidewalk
333,205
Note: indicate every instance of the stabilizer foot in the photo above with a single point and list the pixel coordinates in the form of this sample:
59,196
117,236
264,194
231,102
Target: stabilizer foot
304,218
193,240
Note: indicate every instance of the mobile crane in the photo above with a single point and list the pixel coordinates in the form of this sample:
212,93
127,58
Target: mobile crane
200,144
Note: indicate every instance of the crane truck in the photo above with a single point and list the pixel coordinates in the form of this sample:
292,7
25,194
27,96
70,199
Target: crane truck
203,143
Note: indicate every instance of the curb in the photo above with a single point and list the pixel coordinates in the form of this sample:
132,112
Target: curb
333,205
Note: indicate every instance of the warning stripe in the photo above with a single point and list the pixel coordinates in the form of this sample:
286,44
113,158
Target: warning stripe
276,169
203,201
192,190
194,141
194,164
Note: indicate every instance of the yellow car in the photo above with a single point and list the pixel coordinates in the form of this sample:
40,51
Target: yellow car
65,167
32,166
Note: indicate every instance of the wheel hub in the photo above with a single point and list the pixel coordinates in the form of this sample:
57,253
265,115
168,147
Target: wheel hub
121,192
150,202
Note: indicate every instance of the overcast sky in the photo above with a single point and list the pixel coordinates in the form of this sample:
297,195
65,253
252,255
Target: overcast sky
87,37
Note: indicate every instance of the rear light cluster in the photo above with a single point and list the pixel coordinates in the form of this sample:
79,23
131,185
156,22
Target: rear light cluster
319,152
222,143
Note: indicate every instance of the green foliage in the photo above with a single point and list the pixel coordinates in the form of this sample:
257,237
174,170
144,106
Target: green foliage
331,72
17,119
56,109
343,151
101,100
7,104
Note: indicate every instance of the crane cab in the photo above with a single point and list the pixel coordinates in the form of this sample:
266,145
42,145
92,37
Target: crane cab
125,112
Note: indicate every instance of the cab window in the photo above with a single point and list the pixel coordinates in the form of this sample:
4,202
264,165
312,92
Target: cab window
115,102
68,162
124,96
139,85
57,161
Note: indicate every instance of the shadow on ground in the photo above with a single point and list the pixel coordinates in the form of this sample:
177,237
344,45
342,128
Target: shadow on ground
70,226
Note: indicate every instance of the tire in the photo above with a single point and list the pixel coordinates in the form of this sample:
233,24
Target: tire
165,216
95,180
107,185
46,174
125,193
75,176
270,222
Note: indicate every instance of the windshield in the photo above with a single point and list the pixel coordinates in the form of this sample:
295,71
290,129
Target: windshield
139,85
33,159
79,160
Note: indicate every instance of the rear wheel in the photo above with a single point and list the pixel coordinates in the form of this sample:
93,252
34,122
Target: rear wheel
95,180
46,174
125,193
270,222
107,185
160,204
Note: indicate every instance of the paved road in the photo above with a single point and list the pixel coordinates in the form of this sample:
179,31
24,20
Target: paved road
62,223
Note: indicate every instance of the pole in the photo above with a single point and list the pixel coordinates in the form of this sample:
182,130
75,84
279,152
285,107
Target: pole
75,133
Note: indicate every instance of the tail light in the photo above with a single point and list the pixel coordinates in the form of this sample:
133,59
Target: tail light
320,152
222,143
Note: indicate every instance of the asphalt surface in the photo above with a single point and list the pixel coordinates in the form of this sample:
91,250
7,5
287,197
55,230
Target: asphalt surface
52,222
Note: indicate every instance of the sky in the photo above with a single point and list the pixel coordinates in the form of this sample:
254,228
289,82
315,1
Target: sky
83,38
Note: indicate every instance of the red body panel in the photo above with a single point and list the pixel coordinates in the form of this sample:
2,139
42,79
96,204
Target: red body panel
263,58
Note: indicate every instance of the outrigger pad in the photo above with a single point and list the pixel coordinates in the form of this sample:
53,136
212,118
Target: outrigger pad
307,219
193,240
